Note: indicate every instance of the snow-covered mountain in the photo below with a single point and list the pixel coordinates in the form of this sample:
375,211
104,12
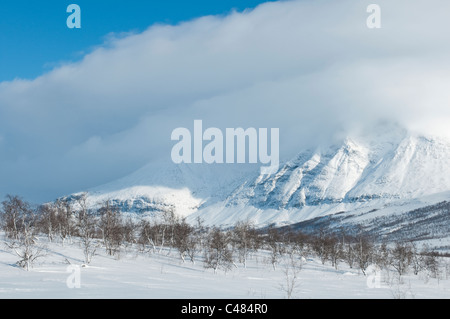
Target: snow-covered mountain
389,171
362,172
357,170
181,188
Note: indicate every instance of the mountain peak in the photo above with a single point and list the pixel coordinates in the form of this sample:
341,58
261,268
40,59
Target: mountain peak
379,164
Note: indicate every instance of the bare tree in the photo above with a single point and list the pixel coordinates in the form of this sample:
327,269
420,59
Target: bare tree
144,237
363,252
20,221
218,253
401,256
170,220
86,227
128,231
65,220
291,269
335,249
417,260
48,220
382,256
299,243
159,233
13,213
431,262
349,254
26,248
184,240
111,227
321,246
193,245
274,243
196,240
152,234
245,239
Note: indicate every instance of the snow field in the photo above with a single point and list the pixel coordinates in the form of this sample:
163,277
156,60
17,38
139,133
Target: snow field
140,275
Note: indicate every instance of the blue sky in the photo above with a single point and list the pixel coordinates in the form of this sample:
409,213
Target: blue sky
34,37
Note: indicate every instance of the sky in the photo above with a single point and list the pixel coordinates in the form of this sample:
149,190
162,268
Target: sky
82,107
35,39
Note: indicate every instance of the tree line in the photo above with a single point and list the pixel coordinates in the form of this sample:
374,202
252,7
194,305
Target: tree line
67,221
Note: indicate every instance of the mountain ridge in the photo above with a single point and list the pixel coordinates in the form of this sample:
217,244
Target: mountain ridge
384,166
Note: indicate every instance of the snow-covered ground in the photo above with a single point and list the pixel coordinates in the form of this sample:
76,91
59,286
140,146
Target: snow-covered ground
158,275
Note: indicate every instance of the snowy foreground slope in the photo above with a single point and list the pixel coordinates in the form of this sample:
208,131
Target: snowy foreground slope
392,171
158,275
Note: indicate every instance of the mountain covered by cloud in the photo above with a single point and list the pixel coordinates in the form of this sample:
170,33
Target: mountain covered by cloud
312,69
391,170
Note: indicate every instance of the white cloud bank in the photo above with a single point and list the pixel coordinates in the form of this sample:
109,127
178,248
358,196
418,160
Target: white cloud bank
309,68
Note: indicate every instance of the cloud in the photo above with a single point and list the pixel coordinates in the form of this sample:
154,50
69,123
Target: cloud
310,68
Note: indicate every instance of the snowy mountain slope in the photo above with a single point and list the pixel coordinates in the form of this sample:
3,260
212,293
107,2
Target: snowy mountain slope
356,170
391,167
165,186
362,172
421,220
